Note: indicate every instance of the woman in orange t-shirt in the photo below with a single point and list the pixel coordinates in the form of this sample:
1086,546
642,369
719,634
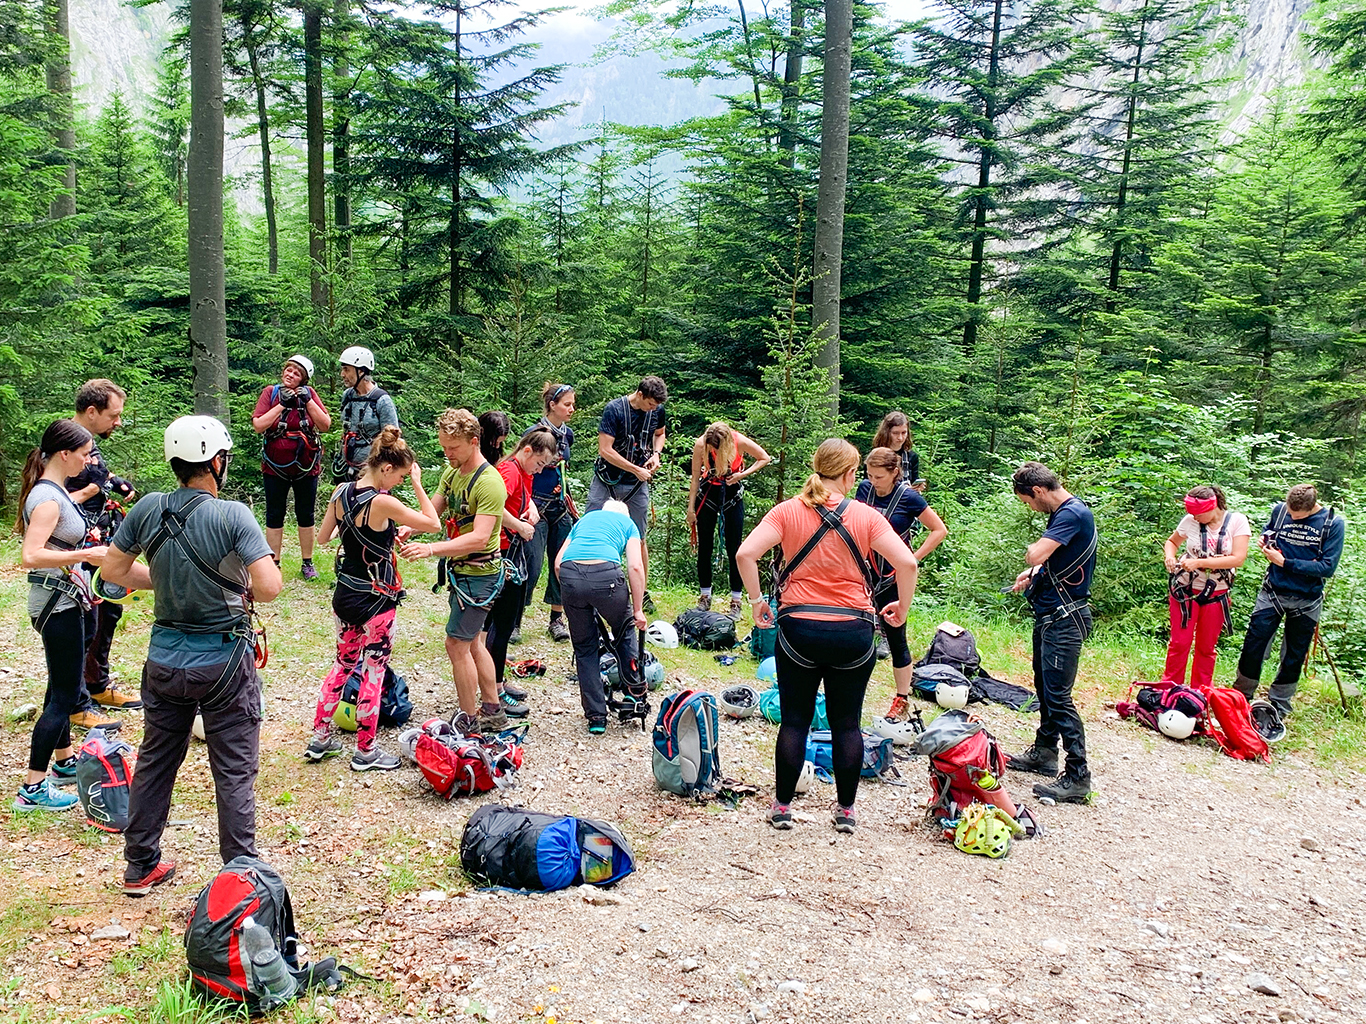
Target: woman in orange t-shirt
826,617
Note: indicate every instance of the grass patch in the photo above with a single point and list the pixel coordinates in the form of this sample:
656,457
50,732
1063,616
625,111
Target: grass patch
23,919
158,948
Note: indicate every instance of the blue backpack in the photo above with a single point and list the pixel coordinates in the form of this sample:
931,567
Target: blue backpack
686,759
877,754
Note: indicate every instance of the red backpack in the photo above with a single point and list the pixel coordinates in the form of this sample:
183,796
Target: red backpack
454,764
1236,735
971,770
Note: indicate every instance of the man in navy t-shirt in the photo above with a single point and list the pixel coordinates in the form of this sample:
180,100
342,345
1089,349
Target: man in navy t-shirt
1303,541
1057,582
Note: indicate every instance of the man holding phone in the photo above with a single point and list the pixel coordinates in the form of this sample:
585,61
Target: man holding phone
1303,541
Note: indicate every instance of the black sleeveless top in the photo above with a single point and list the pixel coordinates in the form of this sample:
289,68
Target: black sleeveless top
368,582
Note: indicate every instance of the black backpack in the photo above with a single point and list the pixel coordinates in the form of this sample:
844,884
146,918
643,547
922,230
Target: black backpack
395,706
246,887
707,631
959,651
531,850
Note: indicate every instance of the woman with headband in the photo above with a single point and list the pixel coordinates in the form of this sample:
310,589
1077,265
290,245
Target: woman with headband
1215,542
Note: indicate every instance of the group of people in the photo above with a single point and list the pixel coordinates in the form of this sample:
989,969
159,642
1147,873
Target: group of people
844,578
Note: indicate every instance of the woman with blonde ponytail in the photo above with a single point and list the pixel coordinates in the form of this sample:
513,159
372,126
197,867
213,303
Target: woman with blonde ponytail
826,617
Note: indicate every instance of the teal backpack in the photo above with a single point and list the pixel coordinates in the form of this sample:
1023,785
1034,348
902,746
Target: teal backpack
686,759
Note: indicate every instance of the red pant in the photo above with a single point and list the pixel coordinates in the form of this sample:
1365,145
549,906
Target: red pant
1203,627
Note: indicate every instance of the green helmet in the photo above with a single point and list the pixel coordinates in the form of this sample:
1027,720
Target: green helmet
345,717
985,830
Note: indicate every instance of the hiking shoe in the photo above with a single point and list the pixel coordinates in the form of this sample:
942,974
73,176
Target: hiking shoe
512,707
843,819
1034,760
493,723
779,816
63,776
647,604
46,797
514,691
883,651
374,760
465,723
318,749
1267,720
704,603
558,630
597,726
900,709
114,698
308,571
87,718
737,608
1065,789
516,637
159,875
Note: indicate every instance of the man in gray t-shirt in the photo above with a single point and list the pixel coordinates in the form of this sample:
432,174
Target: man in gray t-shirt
207,560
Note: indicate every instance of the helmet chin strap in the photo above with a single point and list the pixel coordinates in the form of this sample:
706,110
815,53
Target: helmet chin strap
220,474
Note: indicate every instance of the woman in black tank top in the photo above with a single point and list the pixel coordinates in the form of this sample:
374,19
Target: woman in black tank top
369,588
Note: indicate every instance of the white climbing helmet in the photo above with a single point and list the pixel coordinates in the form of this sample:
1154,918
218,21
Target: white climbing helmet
805,779
303,363
358,356
196,439
902,734
738,701
952,695
661,634
1175,724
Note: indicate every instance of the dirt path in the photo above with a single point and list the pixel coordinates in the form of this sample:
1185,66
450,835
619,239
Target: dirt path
1190,875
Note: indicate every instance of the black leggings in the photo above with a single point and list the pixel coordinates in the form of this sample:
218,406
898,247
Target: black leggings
826,643
727,503
503,617
896,635
305,490
64,645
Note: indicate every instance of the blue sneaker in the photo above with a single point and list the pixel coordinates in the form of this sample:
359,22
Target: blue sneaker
63,776
46,798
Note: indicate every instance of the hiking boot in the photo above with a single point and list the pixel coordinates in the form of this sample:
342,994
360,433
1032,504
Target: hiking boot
493,722
704,603
46,797
86,718
515,639
1267,720
514,691
159,875
1035,761
512,707
779,816
647,604
318,749
465,723
558,630
900,709
843,819
883,651
737,608
374,760
308,571
597,725
114,698
63,775
1065,789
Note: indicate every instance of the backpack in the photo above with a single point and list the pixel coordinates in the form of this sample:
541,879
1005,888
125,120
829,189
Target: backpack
520,849
1151,701
877,754
925,680
104,773
763,642
246,887
1236,735
965,764
959,651
705,631
770,706
395,706
685,755
453,764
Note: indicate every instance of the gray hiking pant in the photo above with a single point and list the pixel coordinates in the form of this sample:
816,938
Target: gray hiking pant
589,590
232,729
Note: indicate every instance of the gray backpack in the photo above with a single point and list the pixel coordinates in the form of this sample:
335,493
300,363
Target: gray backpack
104,774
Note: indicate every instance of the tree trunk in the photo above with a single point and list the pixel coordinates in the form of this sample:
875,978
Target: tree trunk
341,129
317,195
792,86
825,289
263,126
456,298
63,113
204,173
1117,248
977,261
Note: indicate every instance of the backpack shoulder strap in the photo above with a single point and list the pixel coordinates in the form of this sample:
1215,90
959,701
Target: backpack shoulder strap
173,529
837,524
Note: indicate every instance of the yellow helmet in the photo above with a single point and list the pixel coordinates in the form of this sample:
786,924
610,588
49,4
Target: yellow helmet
985,829
345,717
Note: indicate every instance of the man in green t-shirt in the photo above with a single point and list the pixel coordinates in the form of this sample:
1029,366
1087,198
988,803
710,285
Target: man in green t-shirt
470,499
